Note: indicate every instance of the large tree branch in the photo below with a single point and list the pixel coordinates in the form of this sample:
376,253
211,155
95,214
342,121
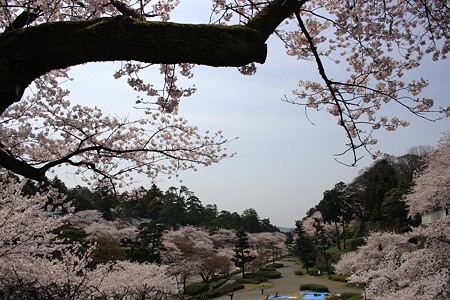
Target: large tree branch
27,53
20,167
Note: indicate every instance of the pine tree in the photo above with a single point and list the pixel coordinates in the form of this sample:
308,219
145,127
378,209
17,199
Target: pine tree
242,251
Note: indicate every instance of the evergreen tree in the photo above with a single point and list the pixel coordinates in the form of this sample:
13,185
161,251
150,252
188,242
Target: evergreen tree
304,246
242,251
148,246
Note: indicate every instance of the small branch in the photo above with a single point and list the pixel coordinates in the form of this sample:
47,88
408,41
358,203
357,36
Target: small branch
328,83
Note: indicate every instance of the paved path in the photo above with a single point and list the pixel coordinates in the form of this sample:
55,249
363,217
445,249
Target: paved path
289,284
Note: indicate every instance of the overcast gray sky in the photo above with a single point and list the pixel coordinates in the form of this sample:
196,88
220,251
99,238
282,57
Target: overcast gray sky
283,163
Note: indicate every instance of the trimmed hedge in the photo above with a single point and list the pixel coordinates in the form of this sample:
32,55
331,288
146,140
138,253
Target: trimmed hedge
298,272
275,266
224,290
256,276
313,287
249,280
269,274
196,288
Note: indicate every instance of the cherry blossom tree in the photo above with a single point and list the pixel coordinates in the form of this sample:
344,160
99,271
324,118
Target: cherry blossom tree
413,265
224,241
26,234
408,266
187,251
434,183
309,225
269,244
126,280
375,42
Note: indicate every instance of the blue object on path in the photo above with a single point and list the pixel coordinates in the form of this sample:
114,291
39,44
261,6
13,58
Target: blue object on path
314,295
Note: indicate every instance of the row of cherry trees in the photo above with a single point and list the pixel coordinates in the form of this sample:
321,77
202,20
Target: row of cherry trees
38,264
81,255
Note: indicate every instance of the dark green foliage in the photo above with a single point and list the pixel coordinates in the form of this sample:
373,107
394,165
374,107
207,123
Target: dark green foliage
336,208
105,201
224,290
357,242
148,246
248,280
304,246
242,251
250,220
269,274
274,266
290,243
313,287
81,198
196,288
298,272
70,235
175,207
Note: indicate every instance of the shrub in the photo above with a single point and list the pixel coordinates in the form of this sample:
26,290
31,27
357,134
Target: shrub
196,288
224,290
249,280
256,276
275,265
299,272
269,274
313,287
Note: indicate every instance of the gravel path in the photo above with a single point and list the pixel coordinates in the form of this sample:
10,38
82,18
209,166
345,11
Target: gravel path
289,285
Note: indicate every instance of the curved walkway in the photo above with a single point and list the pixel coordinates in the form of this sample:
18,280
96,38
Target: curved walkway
289,285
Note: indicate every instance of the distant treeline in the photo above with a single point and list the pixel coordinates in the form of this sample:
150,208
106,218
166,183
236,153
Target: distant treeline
175,207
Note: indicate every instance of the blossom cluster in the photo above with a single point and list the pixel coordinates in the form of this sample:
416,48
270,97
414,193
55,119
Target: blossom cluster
47,131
